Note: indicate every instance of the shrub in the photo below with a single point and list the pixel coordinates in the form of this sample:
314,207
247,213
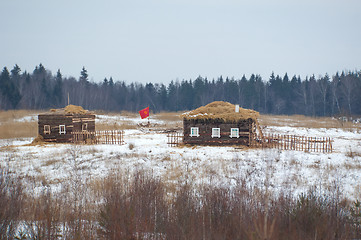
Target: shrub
11,200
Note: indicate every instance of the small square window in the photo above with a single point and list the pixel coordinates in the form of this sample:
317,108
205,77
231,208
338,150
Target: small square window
194,132
84,127
234,133
62,129
216,132
46,129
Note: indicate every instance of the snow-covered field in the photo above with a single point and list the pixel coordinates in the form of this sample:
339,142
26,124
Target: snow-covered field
146,149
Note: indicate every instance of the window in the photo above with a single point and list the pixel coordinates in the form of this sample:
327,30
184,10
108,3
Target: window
84,127
216,132
46,129
234,133
62,129
194,132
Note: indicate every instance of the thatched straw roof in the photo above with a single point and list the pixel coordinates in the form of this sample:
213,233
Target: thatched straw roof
221,110
70,109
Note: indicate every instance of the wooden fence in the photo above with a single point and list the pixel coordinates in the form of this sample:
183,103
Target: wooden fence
282,142
174,138
99,137
292,142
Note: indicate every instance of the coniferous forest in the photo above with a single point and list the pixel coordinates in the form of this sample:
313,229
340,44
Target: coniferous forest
326,95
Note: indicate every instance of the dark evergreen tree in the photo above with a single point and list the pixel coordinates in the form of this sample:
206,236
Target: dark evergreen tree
9,91
45,94
105,82
199,92
173,97
83,76
15,72
162,97
111,82
58,90
186,95
322,96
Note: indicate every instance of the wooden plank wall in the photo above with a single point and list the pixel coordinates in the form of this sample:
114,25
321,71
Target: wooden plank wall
205,132
72,122
55,121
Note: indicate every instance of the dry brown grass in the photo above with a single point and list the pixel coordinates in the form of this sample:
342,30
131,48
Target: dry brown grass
51,162
169,116
18,130
171,120
223,110
352,153
11,128
305,121
122,113
352,166
9,116
111,126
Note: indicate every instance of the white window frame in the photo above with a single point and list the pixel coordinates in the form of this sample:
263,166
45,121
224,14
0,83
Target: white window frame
236,135
194,132
216,132
47,129
84,127
62,129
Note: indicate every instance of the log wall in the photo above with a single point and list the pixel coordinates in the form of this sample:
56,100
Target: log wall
205,132
72,123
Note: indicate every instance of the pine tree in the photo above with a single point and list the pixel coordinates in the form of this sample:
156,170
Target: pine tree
173,99
83,76
105,82
199,92
39,70
162,97
15,72
9,91
58,89
45,94
111,82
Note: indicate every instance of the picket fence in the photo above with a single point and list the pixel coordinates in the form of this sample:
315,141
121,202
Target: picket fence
99,137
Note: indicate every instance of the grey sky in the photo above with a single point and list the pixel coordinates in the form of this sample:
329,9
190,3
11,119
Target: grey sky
164,40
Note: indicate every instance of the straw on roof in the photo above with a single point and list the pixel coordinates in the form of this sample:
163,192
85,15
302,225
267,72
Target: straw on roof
70,109
221,110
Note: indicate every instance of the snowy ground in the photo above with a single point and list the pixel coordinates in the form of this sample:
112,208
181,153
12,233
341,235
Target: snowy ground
287,171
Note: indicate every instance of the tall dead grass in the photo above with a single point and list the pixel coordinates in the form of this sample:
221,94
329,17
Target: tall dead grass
9,116
169,116
122,125
305,121
138,206
11,201
122,113
18,130
11,127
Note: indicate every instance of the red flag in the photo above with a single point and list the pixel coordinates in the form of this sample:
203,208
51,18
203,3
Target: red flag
144,113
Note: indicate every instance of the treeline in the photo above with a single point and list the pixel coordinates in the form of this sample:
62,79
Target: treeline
138,206
313,96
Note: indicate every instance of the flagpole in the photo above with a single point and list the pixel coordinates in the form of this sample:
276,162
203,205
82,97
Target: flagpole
149,118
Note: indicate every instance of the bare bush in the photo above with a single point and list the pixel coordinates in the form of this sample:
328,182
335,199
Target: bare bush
42,217
132,209
11,200
138,206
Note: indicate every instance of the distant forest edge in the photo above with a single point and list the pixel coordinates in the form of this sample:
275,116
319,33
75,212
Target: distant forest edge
339,94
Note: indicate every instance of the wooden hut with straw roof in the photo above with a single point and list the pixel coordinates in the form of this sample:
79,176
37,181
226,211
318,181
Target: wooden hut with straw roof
58,124
219,123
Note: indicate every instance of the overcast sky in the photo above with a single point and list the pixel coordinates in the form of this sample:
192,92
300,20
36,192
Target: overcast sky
162,40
